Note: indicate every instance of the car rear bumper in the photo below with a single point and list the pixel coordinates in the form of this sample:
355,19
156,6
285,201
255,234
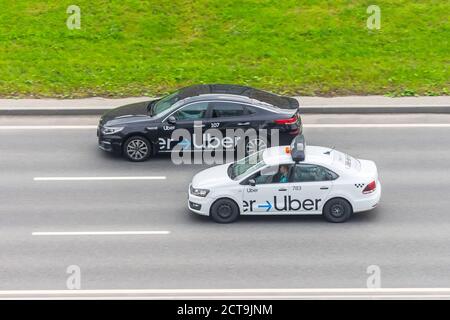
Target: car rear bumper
370,202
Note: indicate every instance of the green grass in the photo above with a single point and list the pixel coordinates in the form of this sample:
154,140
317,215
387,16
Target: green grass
132,47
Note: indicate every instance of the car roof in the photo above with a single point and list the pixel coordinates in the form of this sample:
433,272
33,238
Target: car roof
236,92
313,154
234,98
219,96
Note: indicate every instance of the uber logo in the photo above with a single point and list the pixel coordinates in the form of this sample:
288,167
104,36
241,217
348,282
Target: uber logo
287,204
164,144
294,204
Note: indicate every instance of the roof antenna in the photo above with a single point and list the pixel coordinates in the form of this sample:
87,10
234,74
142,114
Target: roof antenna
329,151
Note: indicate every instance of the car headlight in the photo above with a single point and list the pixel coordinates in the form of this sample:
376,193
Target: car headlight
111,130
199,192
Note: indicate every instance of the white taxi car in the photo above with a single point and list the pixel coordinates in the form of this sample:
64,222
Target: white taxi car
296,179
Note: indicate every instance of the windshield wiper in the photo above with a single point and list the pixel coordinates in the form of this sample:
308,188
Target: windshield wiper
231,171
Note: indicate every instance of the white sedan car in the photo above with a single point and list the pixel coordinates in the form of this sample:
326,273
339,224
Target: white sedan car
293,180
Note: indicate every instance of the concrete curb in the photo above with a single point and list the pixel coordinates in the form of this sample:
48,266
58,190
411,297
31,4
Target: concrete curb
326,109
309,105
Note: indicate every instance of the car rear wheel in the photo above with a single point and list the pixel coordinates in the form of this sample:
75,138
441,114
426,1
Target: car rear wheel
224,211
337,210
254,145
137,149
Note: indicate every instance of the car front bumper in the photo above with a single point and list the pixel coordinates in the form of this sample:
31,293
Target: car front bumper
199,205
109,143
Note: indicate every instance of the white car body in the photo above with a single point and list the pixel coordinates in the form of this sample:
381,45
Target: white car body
290,197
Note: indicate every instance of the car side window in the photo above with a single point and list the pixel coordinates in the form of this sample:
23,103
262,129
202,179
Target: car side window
227,109
310,172
193,111
276,174
252,110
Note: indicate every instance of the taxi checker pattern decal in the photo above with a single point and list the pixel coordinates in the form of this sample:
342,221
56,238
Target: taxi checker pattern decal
359,185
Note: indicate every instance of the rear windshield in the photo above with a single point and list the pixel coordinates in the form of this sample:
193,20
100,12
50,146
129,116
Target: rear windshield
346,160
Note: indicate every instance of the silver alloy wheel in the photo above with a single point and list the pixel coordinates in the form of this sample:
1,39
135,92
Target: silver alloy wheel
255,145
137,149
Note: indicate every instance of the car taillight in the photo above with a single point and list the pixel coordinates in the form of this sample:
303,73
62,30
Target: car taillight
291,120
370,187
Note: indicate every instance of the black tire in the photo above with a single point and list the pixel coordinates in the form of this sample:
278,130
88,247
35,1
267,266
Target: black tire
337,210
137,149
224,211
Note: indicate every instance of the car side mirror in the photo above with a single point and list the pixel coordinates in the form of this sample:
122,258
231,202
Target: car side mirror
171,120
252,182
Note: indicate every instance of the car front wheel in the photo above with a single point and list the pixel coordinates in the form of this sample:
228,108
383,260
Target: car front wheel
337,210
224,211
137,149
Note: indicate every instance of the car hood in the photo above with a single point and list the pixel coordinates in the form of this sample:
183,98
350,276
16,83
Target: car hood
211,177
128,111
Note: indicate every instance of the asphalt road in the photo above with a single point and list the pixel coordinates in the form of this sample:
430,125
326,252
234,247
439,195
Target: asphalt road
407,236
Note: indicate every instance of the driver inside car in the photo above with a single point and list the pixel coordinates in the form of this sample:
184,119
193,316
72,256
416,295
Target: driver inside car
283,174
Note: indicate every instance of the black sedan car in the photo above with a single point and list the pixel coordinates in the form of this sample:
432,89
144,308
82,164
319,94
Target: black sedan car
140,130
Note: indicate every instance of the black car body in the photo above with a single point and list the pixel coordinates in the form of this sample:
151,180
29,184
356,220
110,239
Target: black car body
142,129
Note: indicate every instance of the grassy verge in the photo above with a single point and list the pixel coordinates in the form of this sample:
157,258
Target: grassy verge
133,47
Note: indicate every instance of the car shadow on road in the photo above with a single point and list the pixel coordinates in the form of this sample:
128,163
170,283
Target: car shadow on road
166,156
357,218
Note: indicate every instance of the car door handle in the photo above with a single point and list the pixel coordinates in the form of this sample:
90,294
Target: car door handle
282,189
243,123
323,188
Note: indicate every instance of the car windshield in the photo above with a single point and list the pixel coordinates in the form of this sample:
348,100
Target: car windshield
246,165
165,103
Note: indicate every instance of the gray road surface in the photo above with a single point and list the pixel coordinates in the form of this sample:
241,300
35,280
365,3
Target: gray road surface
407,236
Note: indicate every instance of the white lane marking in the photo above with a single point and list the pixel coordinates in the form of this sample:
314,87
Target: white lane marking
98,233
98,178
312,125
322,293
62,127
280,297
